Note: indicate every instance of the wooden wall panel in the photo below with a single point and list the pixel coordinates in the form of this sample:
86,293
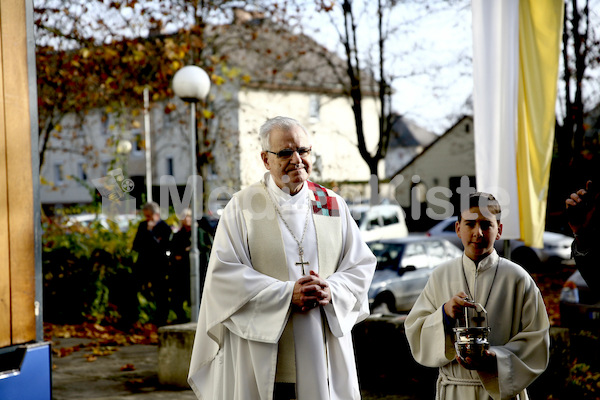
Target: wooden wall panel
18,166
5,318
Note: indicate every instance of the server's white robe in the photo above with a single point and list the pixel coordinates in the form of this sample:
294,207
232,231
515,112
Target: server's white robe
517,318
244,312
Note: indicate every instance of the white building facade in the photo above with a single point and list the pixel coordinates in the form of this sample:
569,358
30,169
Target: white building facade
232,140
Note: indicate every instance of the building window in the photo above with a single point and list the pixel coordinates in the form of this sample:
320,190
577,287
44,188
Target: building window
138,143
314,108
105,166
82,171
170,166
59,173
105,123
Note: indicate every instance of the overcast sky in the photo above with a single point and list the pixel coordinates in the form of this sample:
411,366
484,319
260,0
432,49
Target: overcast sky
431,56
429,53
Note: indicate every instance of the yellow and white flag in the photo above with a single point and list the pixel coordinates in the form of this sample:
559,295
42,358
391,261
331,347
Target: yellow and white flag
516,48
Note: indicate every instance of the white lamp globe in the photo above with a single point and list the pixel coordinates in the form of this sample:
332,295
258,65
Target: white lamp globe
191,83
124,147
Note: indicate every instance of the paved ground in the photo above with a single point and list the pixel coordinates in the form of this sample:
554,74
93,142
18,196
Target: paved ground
120,372
125,373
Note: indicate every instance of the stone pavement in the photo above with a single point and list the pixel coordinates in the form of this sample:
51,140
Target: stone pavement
116,373
125,373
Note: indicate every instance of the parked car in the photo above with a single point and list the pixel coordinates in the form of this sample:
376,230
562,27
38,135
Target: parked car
557,247
403,268
579,306
382,221
87,219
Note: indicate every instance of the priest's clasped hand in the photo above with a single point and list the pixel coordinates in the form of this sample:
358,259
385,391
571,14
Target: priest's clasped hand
311,291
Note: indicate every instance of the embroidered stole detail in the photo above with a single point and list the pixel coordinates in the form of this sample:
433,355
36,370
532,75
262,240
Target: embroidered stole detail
323,203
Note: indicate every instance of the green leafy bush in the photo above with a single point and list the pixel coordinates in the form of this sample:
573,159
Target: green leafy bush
585,381
85,270
89,275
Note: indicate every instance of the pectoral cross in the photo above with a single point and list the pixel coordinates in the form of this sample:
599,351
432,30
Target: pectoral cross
302,263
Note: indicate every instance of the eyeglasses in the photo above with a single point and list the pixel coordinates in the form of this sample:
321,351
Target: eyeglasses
288,153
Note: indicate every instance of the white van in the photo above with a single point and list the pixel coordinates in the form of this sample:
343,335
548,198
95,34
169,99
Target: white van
383,221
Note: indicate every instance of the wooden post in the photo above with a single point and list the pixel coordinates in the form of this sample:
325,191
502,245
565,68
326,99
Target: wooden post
17,225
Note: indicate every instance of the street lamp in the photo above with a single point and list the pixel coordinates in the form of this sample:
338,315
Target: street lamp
124,147
192,84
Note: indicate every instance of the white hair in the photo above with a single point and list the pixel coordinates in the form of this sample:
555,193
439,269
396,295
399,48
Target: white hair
281,123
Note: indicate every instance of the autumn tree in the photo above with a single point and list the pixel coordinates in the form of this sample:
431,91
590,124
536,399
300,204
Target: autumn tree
580,56
375,46
358,80
111,78
577,153
101,55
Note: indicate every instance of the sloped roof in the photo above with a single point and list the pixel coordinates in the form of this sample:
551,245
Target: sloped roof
438,138
406,133
274,57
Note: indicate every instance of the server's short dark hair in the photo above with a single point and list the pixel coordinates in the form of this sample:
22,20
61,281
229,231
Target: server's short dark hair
481,200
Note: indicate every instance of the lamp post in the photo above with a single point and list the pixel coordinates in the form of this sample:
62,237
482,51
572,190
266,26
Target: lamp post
147,145
192,84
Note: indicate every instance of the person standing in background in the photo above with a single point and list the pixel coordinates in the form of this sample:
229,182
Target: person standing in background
151,270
